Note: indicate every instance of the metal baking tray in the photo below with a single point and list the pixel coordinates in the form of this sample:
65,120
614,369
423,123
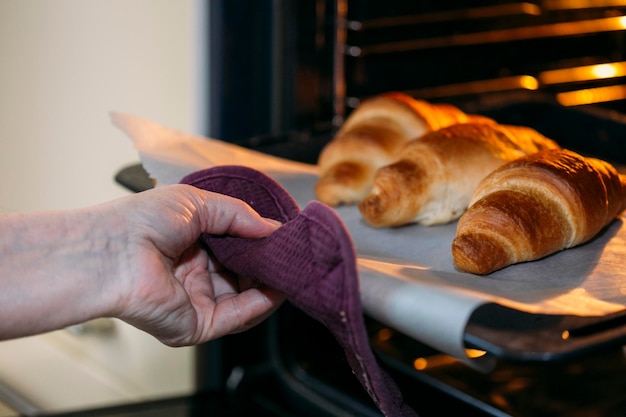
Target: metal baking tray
501,331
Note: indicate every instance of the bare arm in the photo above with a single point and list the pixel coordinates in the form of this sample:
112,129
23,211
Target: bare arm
135,258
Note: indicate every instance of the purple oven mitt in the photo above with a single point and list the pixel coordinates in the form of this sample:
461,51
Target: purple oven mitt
311,260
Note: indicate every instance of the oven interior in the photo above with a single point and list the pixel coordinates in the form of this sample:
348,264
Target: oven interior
284,75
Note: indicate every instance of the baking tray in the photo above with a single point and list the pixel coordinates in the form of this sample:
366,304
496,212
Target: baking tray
504,332
517,335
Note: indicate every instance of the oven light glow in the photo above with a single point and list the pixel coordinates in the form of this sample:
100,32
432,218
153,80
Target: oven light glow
384,335
578,4
592,95
584,73
604,71
526,82
529,83
420,364
475,353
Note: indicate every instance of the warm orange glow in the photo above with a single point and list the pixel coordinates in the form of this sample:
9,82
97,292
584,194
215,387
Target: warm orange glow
580,4
420,364
499,400
525,82
592,95
474,353
604,71
528,82
565,335
384,334
585,73
573,28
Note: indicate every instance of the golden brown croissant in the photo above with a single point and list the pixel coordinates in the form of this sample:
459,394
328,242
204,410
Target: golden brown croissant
434,178
535,206
370,138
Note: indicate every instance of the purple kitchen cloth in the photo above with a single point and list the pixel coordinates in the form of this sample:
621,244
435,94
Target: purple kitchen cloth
310,259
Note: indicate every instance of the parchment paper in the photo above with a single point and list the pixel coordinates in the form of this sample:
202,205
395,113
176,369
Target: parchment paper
407,277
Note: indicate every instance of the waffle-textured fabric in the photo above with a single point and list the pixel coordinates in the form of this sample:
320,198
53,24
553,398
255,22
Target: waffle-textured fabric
310,259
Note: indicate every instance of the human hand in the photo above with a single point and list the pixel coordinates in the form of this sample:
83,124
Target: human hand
170,286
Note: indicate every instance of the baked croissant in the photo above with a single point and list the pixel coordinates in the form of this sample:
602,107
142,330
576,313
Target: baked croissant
370,138
434,178
535,206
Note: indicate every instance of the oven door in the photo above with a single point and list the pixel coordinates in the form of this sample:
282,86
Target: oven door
292,71
291,363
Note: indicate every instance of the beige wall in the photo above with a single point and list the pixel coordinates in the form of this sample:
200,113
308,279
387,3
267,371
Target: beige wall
64,65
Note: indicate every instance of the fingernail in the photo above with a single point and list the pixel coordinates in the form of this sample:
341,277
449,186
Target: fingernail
274,222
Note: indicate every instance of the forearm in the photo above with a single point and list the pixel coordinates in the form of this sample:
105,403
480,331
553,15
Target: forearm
51,271
136,258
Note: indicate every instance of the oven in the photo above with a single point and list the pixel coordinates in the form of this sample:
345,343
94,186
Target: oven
283,75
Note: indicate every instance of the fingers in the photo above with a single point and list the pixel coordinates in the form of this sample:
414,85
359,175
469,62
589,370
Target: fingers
221,214
243,311
168,222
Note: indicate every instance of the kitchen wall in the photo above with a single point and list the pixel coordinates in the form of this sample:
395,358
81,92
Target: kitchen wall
64,65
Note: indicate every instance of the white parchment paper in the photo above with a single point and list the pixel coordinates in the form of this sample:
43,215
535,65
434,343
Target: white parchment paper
407,277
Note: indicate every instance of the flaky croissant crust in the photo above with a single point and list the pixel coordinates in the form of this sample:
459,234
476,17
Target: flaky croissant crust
536,206
433,178
371,137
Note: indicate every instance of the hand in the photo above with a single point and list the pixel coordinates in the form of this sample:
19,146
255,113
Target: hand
173,289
